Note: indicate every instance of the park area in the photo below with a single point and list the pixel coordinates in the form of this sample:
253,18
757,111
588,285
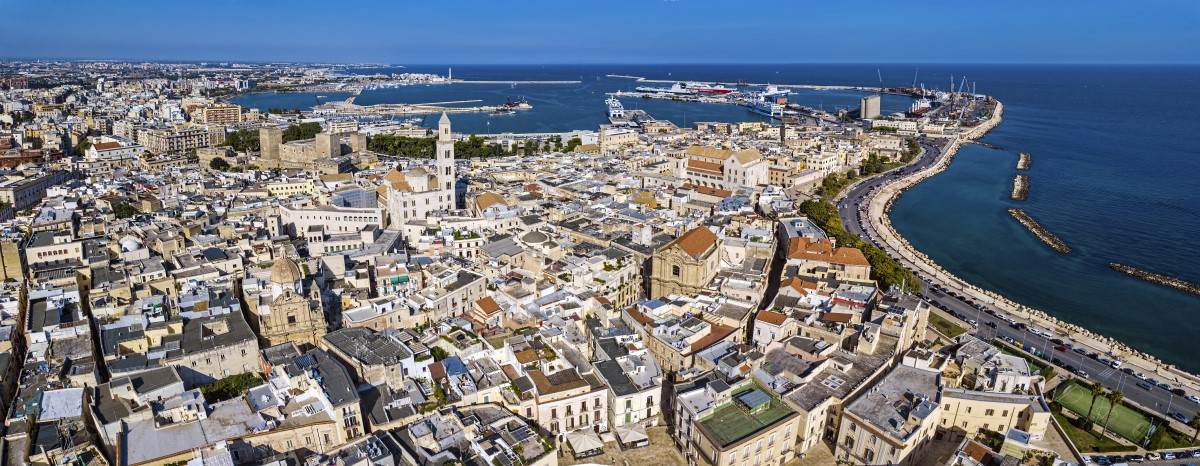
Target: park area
1125,421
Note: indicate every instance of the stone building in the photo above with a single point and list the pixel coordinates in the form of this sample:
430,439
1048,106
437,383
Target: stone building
281,310
686,265
414,193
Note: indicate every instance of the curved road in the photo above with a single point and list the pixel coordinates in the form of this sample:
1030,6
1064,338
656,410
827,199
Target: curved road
991,322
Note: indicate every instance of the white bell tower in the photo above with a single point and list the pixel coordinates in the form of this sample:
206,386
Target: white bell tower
446,175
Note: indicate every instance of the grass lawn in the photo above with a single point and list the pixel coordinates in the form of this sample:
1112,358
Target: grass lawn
945,326
1125,421
1089,442
1166,438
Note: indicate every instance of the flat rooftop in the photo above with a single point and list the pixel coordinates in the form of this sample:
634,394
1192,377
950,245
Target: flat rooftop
735,420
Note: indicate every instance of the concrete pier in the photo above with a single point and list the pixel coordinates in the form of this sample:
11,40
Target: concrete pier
1039,231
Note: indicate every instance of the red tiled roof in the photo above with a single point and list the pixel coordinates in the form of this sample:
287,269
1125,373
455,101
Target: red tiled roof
771,317
715,333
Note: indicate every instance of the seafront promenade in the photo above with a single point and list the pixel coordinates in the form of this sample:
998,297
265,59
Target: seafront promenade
877,216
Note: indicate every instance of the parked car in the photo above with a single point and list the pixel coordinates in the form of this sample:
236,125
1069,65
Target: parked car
1193,399
1145,385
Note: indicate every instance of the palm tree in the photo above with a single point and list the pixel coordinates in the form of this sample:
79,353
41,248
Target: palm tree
1195,424
1097,391
1114,399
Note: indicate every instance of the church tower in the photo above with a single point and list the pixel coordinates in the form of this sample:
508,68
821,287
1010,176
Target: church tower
445,162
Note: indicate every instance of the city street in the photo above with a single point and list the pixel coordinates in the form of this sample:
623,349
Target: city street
1069,357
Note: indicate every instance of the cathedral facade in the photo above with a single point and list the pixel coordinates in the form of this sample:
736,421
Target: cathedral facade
414,193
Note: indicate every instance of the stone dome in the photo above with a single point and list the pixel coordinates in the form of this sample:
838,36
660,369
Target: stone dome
534,237
285,272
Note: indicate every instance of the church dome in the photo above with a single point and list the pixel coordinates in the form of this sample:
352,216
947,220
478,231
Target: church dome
285,272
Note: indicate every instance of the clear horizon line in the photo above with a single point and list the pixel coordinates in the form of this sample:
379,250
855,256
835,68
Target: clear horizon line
588,63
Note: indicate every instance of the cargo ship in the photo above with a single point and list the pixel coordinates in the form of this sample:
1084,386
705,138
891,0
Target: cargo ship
688,88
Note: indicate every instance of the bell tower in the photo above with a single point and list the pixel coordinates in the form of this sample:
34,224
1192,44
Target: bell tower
445,161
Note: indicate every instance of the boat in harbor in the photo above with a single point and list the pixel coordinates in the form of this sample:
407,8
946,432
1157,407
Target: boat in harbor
919,107
688,88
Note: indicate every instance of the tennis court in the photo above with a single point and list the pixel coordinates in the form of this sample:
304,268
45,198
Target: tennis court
1125,421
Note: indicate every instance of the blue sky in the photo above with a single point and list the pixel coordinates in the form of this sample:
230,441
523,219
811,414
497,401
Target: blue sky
613,31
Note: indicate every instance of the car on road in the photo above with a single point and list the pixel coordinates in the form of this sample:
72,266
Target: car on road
991,324
1178,391
1060,348
1081,351
1145,385
1164,386
1193,399
1115,364
1081,373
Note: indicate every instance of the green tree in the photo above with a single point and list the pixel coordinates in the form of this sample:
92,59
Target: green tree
300,131
229,387
1097,391
123,210
884,269
438,353
573,143
83,146
402,146
1114,399
243,140
219,164
1195,424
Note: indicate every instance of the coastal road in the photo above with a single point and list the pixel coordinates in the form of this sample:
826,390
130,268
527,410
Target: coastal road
991,322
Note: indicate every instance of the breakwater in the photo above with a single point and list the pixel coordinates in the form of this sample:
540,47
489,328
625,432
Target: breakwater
1039,231
1024,161
1156,278
1020,188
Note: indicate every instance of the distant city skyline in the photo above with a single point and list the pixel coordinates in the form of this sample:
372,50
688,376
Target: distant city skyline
545,32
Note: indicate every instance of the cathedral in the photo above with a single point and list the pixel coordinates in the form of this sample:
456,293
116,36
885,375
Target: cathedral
281,311
412,194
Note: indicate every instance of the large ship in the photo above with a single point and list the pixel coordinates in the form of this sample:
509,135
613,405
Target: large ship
920,107
688,88
616,111
674,89
701,88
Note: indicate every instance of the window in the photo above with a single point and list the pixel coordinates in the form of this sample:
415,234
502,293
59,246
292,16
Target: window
989,412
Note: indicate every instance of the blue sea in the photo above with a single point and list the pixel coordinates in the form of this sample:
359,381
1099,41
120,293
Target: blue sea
1115,174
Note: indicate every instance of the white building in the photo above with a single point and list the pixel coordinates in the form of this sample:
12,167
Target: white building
415,193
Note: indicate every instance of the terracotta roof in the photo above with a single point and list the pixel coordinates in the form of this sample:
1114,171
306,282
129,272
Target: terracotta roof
715,333
510,372
487,305
722,193
836,317
701,165
107,145
437,371
771,317
747,156
638,316
823,250
800,285
710,152
697,241
487,199
397,180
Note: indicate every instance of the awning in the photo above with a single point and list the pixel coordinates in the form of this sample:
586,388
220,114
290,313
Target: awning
632,435
585,443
